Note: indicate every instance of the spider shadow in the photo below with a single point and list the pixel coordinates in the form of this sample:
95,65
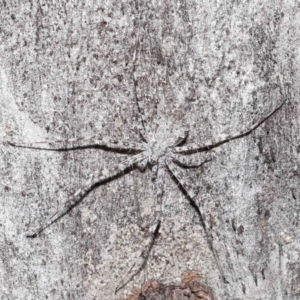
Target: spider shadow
208,234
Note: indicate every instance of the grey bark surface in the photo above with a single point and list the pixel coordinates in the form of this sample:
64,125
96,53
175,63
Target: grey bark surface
66,70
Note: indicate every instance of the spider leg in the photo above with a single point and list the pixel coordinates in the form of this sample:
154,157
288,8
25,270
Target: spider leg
226,138
190,191
94,179
142,122
142,165
154,172
160,180
142,261
181,139
186,162
143,127
153,231
79,143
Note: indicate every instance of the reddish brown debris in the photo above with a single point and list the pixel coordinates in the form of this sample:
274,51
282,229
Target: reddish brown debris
191,289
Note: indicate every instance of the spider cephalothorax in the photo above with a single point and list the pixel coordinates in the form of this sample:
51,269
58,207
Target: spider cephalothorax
163,140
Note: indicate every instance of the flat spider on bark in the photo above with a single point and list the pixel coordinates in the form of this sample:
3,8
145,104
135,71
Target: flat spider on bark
159,151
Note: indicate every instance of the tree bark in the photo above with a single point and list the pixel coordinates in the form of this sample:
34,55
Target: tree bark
78,68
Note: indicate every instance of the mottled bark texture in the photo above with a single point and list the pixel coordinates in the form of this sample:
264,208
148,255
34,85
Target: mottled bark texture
68,69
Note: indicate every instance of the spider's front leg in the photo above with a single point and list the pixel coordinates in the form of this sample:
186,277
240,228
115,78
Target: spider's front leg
142,125
94,179
79,143
224,139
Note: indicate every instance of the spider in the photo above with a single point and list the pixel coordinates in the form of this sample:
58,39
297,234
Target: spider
159,150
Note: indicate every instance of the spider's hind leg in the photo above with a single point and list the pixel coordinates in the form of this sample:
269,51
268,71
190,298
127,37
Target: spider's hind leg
142,260
192,194
94,179
153,231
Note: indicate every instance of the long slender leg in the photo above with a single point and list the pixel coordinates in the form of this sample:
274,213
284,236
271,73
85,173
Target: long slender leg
179,177
143,128
224,139
190,191
160,180
71,144
153,231
94,179
154,172
181,139
142,261
187,162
